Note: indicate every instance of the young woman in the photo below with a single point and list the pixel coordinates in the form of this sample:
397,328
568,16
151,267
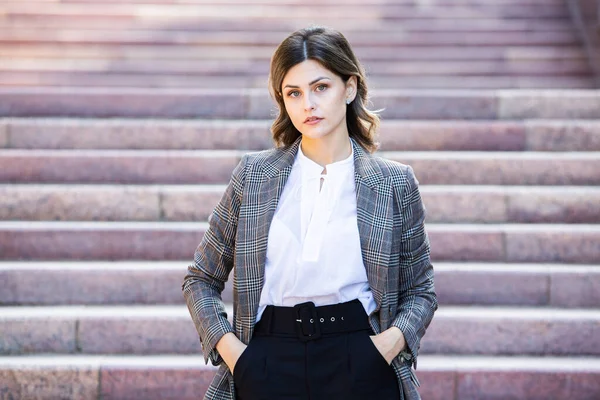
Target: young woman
332,280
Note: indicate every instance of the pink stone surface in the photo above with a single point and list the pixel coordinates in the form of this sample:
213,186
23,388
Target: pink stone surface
451,135
196,202
458,245
567,135
99,244
507,336
569,246
49,383
260,104
157,286
23,335
502,171
189,205
572,206
95,286
369,23
365,53
489,82
78,203
415,105
125,102
119,383
89,80
102,168
575,290
534,385
138,335
464,207
398,12
474,68
409,80
405,104
492,288
437,385
549,104
139,134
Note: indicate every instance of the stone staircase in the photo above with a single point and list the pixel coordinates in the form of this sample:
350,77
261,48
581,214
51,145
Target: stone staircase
121,123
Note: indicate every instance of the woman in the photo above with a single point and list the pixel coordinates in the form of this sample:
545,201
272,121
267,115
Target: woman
332,280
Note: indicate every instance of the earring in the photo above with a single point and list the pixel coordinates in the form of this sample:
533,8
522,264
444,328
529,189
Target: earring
348,101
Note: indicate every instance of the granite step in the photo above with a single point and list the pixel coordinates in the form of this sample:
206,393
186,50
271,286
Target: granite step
159,282
215,166
394,135
322,2
346,25
267,38
255,103
444,204
164,329
84,377
290,12
29,79
32,240
216,68
365,53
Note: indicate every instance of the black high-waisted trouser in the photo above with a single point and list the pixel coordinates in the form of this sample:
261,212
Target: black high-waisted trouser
316,353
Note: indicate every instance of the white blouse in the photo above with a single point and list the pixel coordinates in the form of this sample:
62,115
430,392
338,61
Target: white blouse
313,250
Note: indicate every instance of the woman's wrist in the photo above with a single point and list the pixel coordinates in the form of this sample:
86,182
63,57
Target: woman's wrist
399,335
230,348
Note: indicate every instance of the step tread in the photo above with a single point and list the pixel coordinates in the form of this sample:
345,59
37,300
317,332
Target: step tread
252,135
426,362
238,68
444,93
559,191
257,52
255,103
433,155
167,312
196,226
180,266
159,282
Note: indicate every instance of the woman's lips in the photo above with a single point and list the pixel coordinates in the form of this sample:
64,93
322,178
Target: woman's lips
313,121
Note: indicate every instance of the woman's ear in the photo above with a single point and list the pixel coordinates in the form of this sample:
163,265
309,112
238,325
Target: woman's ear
351,85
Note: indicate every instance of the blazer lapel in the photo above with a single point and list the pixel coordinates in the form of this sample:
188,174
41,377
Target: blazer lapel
374,219
267,184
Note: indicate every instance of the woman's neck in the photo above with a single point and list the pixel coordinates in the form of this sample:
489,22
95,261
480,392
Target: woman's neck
327,150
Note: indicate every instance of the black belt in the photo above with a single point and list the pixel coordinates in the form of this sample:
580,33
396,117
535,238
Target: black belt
308,322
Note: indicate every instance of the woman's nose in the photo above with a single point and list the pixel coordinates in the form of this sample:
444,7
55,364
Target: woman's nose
308,102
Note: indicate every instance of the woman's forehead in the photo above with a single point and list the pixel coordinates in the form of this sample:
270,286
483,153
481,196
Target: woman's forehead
306,73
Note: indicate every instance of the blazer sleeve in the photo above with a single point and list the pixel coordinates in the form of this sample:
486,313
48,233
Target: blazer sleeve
213,261
417,299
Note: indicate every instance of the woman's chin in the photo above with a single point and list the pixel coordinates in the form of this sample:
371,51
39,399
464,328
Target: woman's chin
313,133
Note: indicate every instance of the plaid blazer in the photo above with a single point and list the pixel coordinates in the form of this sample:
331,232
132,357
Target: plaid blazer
394,244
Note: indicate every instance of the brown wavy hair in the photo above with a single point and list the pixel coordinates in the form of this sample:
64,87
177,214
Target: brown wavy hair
331,49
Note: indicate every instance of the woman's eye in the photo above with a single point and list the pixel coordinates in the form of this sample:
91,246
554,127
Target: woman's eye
291,94
320,88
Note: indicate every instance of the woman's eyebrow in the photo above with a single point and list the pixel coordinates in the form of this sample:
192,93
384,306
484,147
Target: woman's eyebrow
310,83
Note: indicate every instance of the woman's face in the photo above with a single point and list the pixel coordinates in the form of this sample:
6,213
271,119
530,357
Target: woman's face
312,91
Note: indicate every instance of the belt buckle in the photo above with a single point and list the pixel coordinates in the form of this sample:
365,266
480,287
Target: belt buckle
307,323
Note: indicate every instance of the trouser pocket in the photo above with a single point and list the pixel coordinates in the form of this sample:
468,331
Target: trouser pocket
249,372
375,353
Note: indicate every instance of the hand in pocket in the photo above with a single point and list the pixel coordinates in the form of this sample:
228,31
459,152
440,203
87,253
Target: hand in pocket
242,350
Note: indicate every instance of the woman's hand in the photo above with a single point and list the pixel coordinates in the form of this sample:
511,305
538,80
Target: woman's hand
230,348
389,343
